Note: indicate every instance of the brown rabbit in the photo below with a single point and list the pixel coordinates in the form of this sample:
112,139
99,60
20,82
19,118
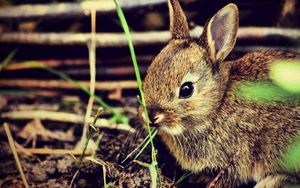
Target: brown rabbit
191,96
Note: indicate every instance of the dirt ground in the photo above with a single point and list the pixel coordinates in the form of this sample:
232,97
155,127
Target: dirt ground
44,170
59,170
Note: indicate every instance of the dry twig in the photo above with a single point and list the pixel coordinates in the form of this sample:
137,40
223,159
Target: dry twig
62,117
48,151
143,38
70,10
59,84
92,63
14,151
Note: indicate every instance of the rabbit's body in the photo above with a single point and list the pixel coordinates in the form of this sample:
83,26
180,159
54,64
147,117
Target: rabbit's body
259,132
192,96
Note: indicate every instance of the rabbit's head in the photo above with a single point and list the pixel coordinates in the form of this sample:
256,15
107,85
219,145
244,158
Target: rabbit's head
183,85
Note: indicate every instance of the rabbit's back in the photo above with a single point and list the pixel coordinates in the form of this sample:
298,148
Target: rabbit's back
256,65
262,131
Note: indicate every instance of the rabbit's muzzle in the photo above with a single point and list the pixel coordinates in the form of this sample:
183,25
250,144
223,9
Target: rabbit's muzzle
155,117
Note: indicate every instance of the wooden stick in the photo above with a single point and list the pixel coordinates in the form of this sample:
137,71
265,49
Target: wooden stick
62,117
92,63
142,38
21,149
67,10
102,40
59,84
12,94
48,63
268,33
48,151
77,62
14,151
254,48
55,106
74,70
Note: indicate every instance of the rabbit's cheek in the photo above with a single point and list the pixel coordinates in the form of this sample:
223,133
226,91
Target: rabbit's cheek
171,124
141,115
173,129
188,106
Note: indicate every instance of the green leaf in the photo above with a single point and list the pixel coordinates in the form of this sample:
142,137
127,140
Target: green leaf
153,174
286,74
263,92
291,160
153,171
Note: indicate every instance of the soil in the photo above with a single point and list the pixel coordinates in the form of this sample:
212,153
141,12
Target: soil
62,170
59,170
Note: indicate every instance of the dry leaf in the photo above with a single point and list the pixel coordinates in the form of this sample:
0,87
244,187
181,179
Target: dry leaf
35,129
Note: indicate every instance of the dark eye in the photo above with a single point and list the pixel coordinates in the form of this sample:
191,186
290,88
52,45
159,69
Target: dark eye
186,90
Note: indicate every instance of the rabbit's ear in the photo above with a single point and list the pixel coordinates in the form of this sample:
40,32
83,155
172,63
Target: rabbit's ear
220,33
178,24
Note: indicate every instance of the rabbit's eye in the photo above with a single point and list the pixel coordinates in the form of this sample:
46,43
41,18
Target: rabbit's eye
186,90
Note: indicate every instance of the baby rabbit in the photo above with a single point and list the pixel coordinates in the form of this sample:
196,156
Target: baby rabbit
191,96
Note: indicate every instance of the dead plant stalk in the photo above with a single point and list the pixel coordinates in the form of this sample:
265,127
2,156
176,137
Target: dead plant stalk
14,151
92,63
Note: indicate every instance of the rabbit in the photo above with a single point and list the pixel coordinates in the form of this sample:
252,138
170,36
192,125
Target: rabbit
190,94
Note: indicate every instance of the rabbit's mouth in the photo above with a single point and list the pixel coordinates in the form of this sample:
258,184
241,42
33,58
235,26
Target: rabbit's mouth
154,125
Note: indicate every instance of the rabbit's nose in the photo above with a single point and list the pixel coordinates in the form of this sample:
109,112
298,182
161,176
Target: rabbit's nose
155,117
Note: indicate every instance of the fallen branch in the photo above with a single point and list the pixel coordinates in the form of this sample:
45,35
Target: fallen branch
142,38
73,69
67,10
59,84
14,151
254,48
78,71
13,93
55,107
23,65
48,63
62,117
48,151
102,40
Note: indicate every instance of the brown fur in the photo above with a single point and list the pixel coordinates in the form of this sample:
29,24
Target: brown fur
204,131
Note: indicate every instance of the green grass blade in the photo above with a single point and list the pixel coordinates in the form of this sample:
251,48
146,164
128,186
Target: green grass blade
139,80
146,144
134,61
8,59
136,149
154,174
152,169
183,177
117,116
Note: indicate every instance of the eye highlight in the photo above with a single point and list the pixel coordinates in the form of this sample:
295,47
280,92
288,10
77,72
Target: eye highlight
186,90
